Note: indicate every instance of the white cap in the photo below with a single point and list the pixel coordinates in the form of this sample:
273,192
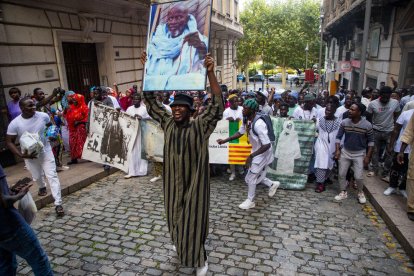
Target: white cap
264,93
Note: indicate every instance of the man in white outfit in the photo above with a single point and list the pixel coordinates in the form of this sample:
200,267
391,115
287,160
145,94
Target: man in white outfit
137,165
234,113
261,156
38,164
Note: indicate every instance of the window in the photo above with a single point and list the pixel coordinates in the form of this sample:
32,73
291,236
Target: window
409,69
219,5
236,11
227,7
371,82
347,56
341,49
333,49
220,54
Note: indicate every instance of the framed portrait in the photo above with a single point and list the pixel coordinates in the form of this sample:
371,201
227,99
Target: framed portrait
374,42
177,43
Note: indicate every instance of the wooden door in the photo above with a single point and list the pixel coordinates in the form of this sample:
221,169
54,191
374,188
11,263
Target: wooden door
81,66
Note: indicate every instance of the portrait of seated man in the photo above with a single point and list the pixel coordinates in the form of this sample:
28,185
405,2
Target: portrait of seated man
176,52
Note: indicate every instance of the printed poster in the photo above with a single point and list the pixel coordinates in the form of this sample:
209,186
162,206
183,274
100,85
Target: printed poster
292,149
234,152
292,152
111,137
152,139
177,43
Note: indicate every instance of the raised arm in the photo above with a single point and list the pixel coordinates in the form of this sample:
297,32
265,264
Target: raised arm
215,109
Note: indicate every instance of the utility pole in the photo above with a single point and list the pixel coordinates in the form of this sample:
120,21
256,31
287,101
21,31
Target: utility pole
364,45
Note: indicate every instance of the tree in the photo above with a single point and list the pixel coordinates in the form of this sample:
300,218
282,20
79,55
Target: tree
252,21
279,33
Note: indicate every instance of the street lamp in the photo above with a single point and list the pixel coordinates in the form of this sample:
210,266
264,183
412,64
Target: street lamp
320,51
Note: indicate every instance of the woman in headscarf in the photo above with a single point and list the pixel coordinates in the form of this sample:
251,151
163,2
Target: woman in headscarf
126,101
64,129
77,116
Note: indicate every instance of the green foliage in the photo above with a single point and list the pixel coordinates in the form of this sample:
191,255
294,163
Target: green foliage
252,72
278,33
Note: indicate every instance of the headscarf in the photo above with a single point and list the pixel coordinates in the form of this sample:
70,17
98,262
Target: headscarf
252,104
65,103
232,96
77,113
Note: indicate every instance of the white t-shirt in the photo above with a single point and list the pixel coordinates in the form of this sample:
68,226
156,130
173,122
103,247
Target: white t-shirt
262,138
321,113
403,120
235,114
301,114
114,102
340,111
140,111
36,124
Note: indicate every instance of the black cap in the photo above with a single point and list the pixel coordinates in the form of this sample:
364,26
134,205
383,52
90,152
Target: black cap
183,99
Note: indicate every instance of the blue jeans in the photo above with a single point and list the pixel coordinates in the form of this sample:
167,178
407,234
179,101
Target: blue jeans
25,244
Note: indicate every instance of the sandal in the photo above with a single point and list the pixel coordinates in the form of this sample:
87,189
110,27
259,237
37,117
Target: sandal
320,188
42,192
59,211
370,174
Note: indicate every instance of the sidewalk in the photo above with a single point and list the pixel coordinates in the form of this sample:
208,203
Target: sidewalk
393,210
74,179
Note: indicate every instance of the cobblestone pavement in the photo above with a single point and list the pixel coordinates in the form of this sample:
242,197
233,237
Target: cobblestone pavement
117,227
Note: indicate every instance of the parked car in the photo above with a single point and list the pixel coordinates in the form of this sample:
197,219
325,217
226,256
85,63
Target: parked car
242,77
257,78
277,77
296,77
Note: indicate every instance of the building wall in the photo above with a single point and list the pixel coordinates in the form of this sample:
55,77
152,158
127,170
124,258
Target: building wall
387,63
225,32
31,53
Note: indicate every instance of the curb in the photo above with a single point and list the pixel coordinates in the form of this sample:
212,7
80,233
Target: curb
389,220
44,201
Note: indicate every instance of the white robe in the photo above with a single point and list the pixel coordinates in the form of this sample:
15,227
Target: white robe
137,165
172,64
287,149
324,147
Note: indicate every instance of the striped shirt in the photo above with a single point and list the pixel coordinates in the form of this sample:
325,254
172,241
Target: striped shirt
358,136
186,175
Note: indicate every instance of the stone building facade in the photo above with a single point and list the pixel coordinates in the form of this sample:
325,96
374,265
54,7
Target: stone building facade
390,44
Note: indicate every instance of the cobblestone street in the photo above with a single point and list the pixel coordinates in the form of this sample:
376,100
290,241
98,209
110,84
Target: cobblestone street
117,227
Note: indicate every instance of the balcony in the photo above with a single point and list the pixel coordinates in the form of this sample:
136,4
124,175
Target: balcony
342,8
220,20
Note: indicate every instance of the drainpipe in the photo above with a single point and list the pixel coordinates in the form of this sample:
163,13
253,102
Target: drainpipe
367,19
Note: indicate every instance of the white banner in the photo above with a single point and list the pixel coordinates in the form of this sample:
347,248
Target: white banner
111,137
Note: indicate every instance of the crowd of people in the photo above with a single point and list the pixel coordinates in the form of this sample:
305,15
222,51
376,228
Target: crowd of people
369,134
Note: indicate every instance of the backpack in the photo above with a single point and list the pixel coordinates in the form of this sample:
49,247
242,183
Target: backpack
268,121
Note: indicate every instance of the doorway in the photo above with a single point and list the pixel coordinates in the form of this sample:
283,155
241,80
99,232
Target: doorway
81,66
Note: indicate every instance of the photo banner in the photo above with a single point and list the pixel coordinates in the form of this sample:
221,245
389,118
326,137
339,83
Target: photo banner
234,152
292,152
111,137
292,149
177,42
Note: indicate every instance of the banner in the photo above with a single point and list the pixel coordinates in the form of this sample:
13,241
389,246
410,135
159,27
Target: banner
292,149
152,140
234,152
111,137
292,152
177,42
